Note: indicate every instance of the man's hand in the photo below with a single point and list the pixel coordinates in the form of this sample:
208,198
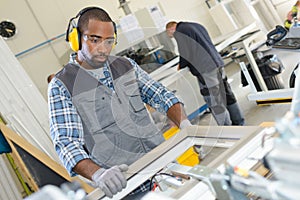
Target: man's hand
112,180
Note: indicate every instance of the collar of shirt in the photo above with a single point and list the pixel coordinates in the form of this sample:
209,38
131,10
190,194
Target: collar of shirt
102,74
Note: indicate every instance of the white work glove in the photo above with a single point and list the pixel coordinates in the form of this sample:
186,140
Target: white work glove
185,123
112,180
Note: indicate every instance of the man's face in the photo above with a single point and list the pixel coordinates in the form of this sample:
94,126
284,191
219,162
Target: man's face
97,42
171,30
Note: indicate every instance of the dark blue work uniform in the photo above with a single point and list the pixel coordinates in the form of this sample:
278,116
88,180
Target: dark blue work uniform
199,54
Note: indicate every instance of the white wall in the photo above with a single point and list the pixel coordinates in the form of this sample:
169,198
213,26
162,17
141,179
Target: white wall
283,7
38,21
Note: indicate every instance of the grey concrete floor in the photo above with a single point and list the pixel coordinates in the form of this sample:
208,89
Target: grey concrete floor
254,114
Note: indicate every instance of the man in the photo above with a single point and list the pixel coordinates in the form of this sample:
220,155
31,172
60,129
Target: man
98,121
199,54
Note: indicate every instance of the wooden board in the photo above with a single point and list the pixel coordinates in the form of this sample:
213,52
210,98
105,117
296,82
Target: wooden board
39,168
267,124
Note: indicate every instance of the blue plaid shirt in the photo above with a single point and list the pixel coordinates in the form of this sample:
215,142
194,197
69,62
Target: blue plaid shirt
65,124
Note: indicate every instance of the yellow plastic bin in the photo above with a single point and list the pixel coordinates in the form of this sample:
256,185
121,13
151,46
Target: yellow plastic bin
190,156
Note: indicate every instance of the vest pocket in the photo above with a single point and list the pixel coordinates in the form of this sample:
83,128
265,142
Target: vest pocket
105,146
132,91
105,116
95,109
136,103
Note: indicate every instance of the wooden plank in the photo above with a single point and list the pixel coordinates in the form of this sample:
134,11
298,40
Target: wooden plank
41,158
267,124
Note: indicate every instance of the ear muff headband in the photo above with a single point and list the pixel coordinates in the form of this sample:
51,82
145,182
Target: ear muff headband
73,35
115,35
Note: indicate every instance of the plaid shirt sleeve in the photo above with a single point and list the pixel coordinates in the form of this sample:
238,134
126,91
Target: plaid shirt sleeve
65,126
153,92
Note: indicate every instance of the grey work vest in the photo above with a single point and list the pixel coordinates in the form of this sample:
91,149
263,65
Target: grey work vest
117,127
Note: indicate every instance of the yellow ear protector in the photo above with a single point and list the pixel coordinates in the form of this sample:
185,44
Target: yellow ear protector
115,36
73,35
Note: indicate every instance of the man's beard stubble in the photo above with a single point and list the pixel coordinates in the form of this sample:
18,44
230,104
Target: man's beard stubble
95,64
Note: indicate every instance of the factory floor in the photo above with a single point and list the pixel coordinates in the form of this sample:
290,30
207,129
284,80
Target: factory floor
254,114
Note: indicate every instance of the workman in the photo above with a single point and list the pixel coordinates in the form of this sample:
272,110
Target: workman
199,54
98,121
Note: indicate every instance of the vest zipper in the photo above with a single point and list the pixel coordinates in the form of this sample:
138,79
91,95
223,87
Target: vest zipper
142,144
118,98
113,84
112,80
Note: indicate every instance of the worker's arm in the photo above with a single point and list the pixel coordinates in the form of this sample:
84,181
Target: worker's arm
86,168
159,97
177,114
67,136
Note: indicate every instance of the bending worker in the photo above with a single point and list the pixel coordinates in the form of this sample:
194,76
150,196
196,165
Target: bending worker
98,122
199,54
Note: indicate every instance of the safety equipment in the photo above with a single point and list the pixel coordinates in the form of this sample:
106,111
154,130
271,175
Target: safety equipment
73,35
185,123
276,35
112,180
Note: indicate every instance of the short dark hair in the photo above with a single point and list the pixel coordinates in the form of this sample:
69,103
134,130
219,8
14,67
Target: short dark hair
92,13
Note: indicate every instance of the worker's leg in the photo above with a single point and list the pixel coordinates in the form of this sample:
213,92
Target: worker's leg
214,94
236,115
233,108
